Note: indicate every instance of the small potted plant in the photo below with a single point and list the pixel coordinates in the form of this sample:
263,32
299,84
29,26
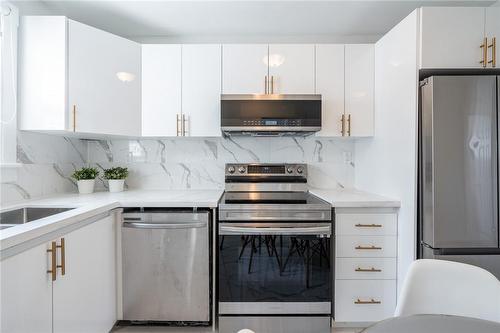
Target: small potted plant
116,178
86,179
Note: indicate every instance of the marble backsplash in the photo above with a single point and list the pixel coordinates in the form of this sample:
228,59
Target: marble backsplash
176,163
46,163
198,163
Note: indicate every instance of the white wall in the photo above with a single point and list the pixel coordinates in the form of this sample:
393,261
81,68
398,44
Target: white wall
9,19
386,163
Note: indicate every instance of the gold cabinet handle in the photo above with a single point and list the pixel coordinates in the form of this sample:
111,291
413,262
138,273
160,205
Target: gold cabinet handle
493,47
74,118
373,225
185,125
373,269
265,85
349,124
342,120
372,247
272,84
62,266
52,271
178,120
484,46
371,301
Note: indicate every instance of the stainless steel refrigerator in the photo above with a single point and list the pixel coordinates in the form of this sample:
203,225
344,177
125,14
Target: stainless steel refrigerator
458,169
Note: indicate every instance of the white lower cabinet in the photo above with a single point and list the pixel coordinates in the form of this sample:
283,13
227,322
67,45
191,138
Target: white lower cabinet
83,299
26,292
365,268
364,300
365,264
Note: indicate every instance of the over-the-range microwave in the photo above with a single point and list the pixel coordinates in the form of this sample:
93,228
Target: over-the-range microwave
270,114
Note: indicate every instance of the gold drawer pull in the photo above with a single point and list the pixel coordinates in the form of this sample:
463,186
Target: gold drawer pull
484,46
372,247
371,301
373,269
342,120
62,266
349,124
373,225
53,265
493,47
74,118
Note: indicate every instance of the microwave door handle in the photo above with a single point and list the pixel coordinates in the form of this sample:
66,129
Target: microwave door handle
140,225
230,230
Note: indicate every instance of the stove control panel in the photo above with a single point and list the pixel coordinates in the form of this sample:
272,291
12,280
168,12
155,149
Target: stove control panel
266,169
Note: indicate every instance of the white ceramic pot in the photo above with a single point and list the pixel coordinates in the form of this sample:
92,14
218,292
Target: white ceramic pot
116,185
86,186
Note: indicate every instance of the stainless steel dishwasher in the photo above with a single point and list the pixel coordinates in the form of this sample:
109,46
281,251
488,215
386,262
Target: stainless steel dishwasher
166,265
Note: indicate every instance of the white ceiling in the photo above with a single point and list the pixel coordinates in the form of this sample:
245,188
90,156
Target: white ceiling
239,21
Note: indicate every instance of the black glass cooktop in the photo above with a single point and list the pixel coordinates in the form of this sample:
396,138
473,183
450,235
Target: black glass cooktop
270,198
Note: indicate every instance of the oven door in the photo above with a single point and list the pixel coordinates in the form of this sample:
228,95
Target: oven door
275,268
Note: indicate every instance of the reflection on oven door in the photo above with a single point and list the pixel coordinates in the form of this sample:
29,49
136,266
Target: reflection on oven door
272,274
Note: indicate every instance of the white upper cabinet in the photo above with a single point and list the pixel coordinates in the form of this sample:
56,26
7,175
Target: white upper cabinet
451,37
492,30
161,89
330,84
291,68
42,73
104,85
26,297
201,89
359,89
84,298
244,68
77,78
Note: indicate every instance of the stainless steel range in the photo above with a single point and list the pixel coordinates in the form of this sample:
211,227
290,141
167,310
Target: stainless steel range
275,250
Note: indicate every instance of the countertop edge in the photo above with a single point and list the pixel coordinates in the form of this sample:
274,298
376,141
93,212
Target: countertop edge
353,198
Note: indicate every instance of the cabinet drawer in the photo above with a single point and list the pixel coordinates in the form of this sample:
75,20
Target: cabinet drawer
365,268
364,301
366,224
366,246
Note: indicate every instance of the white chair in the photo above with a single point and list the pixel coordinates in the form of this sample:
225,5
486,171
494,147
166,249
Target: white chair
450,288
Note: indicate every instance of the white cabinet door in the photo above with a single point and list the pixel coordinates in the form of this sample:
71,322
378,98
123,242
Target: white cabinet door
85,297
359,89
292,68
106,102
450,37
201,89
42,73
26,294
364,300
330,84
161,89
244,68
492,30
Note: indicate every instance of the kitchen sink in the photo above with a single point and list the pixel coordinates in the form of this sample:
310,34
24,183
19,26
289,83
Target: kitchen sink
18,216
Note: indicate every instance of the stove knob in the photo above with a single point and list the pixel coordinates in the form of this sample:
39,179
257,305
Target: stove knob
241,169
231,169
289,170
300,169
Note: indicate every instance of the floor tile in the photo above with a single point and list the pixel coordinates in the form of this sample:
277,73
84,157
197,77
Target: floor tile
163,329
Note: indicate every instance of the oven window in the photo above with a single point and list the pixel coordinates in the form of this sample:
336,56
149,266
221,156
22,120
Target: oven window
274,268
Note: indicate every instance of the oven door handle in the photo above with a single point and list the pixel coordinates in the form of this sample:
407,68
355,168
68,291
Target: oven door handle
140,225
316,230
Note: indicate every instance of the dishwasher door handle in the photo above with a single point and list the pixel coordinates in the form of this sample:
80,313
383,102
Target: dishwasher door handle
140,225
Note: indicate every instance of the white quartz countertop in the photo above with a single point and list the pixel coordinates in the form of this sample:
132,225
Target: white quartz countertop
90,205
353,198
